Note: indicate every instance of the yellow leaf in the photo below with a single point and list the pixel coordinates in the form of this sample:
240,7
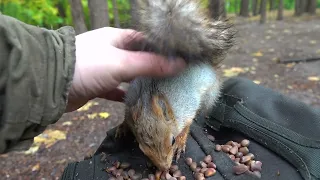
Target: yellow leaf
234,71
32,150
92,116
36,167
87,106
67,123
290,65
104,115
313,78
257,54
313,42
49,137
256,81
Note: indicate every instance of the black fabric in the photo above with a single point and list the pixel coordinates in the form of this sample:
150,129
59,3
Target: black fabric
277,126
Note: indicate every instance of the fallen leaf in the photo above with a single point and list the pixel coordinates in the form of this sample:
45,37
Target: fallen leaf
32,150
287,31
36,167
92,116
276,59
61,161
48,138
255,59
276,76
290,65
289,87
67,123
318,51
257,54
268,37
313,78
256,81
104,115
234,71
87,106
313,42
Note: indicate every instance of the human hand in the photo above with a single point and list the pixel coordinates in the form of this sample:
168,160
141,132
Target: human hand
103,61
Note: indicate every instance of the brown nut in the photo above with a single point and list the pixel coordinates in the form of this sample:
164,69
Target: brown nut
120,178
203,170
207,159
119,172
245,143
198,175
245,159
173,168
239,155
212,165
145,179
136,176
131,173
112,178
111,169
210,172
257,173
116,164
218,147
203,164
237,160
211,138
229,143
251,155
125,175
182,178
225,148
177,173
173,178
188,161
234,150
240,169
256,166
198,169
125,165
244,150
193,166
232,157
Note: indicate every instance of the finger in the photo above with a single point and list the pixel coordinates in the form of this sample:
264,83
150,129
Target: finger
128,39
114,95
136,64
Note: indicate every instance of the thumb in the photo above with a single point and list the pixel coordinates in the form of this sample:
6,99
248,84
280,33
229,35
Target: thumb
138,63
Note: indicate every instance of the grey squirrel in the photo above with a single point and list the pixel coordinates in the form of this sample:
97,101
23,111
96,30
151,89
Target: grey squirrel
159,111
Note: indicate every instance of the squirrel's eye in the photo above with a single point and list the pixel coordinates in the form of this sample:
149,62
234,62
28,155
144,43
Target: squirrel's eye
173,140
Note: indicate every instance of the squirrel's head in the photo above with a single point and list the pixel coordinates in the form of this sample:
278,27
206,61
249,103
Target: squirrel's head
154,127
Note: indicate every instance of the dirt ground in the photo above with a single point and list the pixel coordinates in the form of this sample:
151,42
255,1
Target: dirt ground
258,49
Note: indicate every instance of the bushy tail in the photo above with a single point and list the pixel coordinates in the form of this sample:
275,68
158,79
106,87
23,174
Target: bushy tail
183,28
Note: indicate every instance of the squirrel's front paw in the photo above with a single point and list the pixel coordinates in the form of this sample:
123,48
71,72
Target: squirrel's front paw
181,142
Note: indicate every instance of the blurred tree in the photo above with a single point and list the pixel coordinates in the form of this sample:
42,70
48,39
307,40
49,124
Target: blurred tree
115,14
216,8
312,6
263,11
254,7
78,16
99,13
244,8
280,11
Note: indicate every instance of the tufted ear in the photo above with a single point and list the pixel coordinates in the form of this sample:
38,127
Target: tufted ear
162,108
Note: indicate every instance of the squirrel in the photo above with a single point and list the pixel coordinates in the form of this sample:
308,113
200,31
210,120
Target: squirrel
160,111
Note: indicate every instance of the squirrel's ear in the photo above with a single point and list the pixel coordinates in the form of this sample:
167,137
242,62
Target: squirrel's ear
162,108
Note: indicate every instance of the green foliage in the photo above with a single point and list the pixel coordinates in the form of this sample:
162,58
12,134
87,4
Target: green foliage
57,13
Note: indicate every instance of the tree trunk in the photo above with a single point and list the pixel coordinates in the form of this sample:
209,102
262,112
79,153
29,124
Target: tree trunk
223,9
215,7
254,7
244,8
116,14
297,8
263,11
78,16
312,6
99,16
271,5
280,11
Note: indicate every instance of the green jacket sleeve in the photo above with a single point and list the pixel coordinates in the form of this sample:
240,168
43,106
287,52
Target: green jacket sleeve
36,70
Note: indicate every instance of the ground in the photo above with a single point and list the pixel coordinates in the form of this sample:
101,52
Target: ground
256,56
